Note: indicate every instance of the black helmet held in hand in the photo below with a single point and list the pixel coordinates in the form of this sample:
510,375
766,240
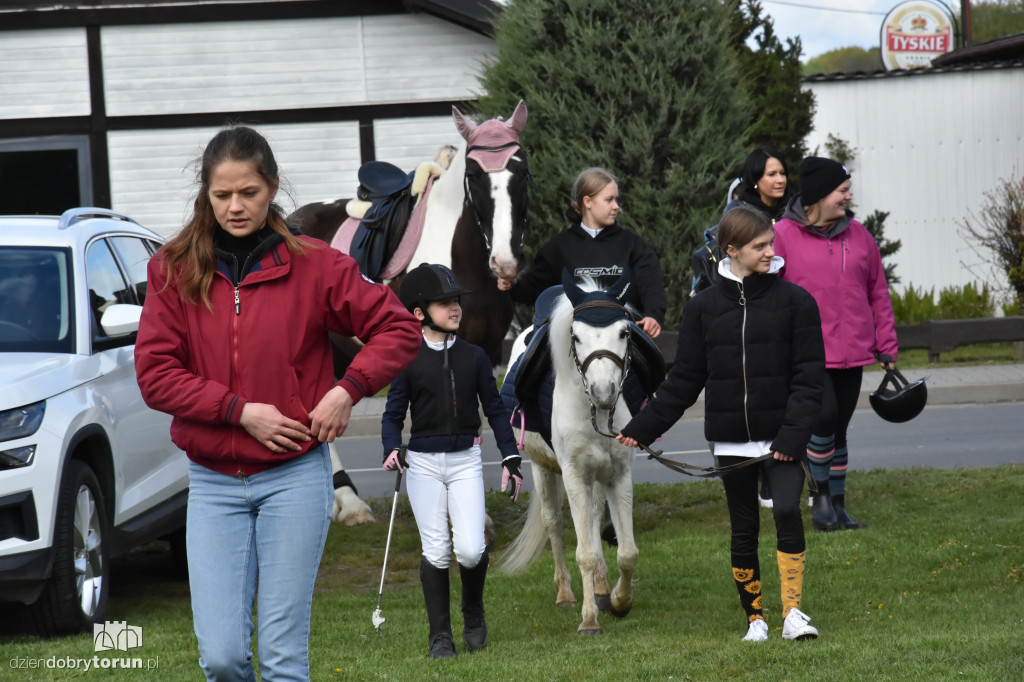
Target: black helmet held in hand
903,401
428,282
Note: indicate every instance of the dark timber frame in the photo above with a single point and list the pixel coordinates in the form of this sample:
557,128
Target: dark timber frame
29,15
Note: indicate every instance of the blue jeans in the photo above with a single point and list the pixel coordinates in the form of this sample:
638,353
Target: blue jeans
267,529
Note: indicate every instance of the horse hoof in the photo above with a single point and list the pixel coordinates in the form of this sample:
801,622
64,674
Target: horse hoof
590,631
566,602
603,602
358,518
619,614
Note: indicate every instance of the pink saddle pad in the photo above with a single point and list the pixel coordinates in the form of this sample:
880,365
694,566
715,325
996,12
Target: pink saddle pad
406,247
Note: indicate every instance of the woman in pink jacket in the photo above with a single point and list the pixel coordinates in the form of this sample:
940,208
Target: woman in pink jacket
836,259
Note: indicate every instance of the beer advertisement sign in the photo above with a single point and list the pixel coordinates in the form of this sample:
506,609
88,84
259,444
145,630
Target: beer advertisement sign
913,34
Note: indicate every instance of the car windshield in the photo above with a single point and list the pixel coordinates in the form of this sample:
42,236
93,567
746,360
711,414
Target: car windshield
36,306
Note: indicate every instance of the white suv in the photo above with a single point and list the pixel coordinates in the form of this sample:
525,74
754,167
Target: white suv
87,470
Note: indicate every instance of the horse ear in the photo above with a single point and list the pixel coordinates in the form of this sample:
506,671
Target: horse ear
572,290
518,121
621,286
464,125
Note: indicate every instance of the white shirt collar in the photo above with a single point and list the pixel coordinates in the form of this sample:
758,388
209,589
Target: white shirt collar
725,269
438,345
592,233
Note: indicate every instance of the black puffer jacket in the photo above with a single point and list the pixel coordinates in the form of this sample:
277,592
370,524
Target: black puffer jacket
762,364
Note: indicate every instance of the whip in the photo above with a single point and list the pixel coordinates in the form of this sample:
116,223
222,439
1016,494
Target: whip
378,619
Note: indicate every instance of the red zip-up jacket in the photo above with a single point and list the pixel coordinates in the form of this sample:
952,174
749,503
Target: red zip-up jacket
265,341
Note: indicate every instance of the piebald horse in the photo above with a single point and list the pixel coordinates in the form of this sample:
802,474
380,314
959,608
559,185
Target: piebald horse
474,222
589,338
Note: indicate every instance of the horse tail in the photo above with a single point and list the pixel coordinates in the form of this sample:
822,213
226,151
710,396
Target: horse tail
531,541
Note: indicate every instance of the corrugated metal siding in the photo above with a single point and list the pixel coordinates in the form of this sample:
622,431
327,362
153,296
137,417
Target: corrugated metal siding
927,148
152,178
413,57
408,142
44,73
232,66
242,66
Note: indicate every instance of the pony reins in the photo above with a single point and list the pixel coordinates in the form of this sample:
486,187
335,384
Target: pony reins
657,455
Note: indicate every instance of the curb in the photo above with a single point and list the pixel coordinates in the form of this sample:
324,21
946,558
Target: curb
365,420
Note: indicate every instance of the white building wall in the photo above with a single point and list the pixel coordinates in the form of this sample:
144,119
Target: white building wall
927,148
152,174
288,64
44,73
408,142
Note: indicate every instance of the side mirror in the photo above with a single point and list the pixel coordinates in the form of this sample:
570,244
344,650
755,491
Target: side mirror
121,319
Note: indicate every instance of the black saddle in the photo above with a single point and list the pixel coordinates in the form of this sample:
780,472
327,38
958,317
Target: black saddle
388,189
645,359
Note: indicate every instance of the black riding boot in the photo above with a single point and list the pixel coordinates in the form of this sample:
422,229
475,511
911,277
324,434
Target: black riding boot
845,521
474,630
437,597
823,515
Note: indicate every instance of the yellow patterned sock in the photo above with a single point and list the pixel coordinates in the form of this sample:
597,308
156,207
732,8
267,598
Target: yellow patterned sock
791,576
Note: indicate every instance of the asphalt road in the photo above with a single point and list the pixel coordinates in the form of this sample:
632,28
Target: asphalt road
942,437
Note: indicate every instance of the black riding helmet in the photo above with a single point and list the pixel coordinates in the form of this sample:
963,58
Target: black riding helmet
903,401
426,283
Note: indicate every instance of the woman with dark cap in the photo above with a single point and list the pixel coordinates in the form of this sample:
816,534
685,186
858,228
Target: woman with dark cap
836,259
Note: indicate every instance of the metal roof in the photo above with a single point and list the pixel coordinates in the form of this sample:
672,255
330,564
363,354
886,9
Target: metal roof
1002,53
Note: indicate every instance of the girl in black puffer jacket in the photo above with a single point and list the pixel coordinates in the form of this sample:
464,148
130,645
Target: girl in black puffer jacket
752,343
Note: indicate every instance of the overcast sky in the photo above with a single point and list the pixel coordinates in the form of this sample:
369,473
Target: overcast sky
825,25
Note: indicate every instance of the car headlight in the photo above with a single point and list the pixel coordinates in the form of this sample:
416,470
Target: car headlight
21,422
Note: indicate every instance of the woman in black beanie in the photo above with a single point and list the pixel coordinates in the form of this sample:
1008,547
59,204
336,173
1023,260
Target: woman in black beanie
836,259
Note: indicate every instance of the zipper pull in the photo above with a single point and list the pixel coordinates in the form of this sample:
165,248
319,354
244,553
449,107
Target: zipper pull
743,296
238,302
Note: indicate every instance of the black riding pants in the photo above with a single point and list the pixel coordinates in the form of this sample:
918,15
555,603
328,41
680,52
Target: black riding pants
787,481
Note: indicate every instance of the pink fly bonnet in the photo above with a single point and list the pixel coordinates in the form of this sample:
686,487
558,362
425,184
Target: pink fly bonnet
492,143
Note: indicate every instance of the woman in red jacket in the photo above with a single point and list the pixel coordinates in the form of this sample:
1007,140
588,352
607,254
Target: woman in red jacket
836,259
234,344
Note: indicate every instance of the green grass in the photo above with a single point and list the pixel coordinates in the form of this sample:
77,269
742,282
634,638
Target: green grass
965,356
930,591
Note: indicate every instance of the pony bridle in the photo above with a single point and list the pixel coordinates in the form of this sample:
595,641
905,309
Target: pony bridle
581,367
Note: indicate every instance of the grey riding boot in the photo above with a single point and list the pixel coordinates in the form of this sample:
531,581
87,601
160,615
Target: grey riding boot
436,594
823,515
474,631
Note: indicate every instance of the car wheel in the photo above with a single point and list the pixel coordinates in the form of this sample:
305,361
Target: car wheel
76,594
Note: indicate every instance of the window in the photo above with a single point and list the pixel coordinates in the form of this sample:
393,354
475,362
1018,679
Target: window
35,300
134,255
44,176
106,287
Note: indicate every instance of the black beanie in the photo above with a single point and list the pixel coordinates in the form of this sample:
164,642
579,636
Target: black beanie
818,177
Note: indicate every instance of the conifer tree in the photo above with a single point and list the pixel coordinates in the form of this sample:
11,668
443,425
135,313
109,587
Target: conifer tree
782,111
645,89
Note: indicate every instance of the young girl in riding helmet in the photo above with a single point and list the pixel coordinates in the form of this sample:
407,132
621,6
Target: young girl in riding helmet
444,388
752,343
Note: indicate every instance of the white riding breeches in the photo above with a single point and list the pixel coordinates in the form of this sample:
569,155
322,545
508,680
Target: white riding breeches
448,487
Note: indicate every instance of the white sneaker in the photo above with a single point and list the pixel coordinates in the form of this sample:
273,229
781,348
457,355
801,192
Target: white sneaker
766,503
797,626
757,632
